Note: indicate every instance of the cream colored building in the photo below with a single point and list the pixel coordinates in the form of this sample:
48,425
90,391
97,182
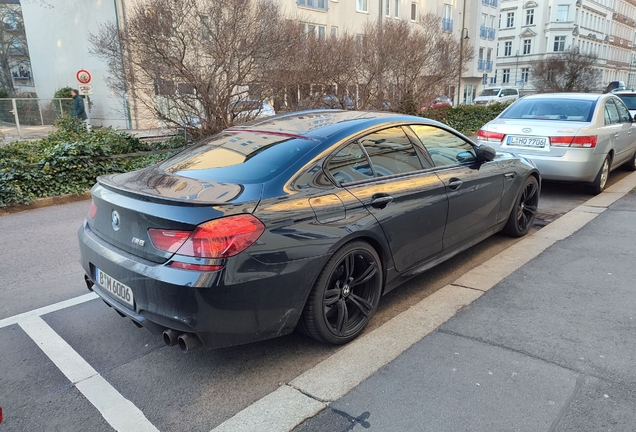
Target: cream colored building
530,29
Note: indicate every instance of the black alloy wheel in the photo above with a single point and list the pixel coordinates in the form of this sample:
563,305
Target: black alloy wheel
345,295
525,209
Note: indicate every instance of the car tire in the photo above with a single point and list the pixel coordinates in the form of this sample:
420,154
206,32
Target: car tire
524,209
630,165
600,181
345,295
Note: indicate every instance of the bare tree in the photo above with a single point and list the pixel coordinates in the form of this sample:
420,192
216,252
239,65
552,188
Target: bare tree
568,71
191,59
412,63
14,53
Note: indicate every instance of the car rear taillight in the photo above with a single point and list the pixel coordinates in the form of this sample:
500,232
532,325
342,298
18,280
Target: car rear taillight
217,239
574,141
93,210
490,136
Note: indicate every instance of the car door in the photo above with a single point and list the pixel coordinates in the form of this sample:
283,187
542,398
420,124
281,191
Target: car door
613,132
474,189
383,170
625,140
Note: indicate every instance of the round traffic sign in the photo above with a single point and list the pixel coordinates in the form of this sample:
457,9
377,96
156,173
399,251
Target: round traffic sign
83,76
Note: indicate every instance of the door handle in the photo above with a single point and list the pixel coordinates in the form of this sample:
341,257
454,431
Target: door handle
380,201
455,183
510,176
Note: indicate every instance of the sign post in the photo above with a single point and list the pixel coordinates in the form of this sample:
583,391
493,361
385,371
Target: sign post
84,78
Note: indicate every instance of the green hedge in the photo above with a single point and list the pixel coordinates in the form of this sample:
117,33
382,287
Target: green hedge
467,119
68,161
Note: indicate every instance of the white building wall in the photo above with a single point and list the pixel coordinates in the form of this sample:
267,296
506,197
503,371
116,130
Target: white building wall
57,34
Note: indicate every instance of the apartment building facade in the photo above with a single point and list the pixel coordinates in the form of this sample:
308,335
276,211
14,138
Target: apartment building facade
530,30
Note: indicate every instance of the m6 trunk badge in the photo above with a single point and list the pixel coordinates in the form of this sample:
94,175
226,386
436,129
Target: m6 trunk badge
526,130
139,242
115,220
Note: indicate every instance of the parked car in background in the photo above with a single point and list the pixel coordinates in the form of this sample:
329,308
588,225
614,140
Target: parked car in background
629,99
497,94
251,109
569,136
331,101
300,220
615,86
439,102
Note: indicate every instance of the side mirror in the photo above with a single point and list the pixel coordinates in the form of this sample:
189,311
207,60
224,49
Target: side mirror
485,153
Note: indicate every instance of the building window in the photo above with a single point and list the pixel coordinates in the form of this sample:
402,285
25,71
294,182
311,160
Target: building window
527,46
530,17
562,12
493,80
362,5
334,31
387,8
413,11
489,54
481,53
322,31
507,49
525,72
396,8
313,4
559,43
506,76
510,19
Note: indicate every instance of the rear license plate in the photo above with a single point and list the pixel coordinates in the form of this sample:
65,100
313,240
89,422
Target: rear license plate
521,141
116,288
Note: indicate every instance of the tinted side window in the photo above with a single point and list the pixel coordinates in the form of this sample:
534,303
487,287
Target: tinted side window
611,113
623,113
445,148
391,152
350,164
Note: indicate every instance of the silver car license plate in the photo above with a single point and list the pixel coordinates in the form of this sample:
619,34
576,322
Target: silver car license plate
521,141
116,288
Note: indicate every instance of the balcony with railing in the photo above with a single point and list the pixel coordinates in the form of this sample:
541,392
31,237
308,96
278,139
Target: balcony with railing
447,24
484,65
487,33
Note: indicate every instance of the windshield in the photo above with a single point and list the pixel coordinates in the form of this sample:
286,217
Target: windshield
239,157
551,109
629,99
490,92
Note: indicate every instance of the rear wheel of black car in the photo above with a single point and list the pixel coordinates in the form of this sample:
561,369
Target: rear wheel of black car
345,296
524,210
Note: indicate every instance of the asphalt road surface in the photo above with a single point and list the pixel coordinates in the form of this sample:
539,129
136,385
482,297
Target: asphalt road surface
69,369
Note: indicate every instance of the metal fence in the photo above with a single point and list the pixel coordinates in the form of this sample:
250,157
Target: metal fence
22,117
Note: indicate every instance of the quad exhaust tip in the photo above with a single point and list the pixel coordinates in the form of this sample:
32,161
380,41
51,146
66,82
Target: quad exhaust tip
187,341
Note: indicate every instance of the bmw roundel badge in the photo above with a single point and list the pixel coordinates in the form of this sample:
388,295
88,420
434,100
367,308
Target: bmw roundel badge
116,221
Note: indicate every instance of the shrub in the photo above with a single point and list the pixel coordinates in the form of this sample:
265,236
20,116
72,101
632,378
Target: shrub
467,119
68,161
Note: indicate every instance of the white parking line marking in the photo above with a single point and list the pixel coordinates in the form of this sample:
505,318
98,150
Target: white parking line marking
48,309
118,411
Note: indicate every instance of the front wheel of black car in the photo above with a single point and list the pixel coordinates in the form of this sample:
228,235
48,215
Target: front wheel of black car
524,210
345,296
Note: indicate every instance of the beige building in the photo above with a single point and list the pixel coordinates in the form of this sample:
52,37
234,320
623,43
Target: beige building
529,30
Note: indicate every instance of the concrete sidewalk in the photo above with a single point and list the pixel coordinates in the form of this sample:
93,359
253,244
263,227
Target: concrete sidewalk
551,347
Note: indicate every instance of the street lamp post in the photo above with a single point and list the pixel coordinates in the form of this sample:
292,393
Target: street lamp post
461,53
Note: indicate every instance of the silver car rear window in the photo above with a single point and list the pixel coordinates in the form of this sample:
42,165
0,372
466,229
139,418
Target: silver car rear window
552,109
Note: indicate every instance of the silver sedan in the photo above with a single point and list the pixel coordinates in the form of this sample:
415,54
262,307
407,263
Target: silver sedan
569,136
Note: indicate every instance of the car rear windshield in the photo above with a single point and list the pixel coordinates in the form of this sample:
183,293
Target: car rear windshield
551,109
490,92
242,157
629,99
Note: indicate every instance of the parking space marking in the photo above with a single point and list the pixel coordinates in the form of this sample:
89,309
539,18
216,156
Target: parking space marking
118,411
5,322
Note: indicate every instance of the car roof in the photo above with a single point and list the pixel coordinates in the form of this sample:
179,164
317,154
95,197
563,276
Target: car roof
321,124
577,96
